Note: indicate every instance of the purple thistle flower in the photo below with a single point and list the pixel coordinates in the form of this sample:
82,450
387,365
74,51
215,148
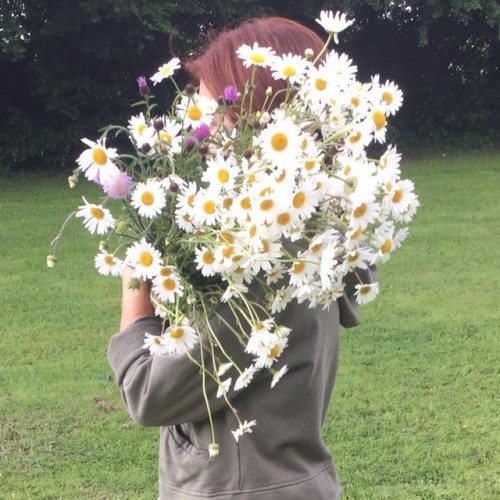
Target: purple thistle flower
231,94
118,186
190,141
201,132
143,85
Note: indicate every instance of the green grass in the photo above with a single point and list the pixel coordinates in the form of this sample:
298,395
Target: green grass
415,413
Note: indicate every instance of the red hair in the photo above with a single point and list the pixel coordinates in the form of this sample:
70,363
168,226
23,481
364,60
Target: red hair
219,66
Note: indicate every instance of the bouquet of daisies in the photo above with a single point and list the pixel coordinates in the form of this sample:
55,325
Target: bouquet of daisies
288,201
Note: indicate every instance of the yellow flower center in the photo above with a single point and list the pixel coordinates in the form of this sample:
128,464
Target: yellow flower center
281,177
194,113
226,237
388,186
245,203
279,141
251,178
320,84
361,210
141,128
355,102
190,200
165,137
209,207
265,246
157,341
387,98
109,260
227,203
289,71
283,219
379,119
257,58
253,231
274,351
147,198
227,252
266,205
353,139
364,290
316,248
177,333
223,176
347,169
165,271
386,247
299,199
145,259
397,196
169,284
99,156
309,165
353,257
298,267
356,234
208,258
97,213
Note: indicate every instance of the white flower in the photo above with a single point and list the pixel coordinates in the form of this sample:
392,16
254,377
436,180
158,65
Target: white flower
96,163
245,427
196,110
280,142
366,292
207,207
224,387
277,376
107,264
255,55
166,70
220,173
179,338
213,449
167,285
96,218
154,344
333,24
245,378
224,368
149,198
233,290
168,139
141,132
205,260
273,352
289,67
144,258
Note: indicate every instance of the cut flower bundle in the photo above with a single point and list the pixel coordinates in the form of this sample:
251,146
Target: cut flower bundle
278,206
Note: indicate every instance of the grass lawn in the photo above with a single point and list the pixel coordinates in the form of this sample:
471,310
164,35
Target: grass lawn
415,413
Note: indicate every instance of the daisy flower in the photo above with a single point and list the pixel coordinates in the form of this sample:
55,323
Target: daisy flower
333,25
140,130
224,387
387,95
213,449
280,142
340,68
290,67
301,271
386,241
304,199
196,110
207,207
364,214
245,427
154,344
220,173
149,198
179,338
144,259
278,375
223,369
166,70
169,139
245,378
167,285
366,292
107,264
272,354
95,162
96,218
255,55
205,260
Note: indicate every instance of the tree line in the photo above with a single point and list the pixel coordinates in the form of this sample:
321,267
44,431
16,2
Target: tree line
68,68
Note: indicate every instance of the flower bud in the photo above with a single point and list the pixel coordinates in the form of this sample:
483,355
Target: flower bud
269,92
103,245
247,154
158,124
203,149
143,86
121,227
189,89
309,53
51,260
265,117
174,187
72,181
146,147
167,242
213,300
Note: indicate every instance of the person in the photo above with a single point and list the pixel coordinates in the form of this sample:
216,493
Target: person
285,456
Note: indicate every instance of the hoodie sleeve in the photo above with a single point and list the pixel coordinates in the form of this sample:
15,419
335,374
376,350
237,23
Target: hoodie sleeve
160,390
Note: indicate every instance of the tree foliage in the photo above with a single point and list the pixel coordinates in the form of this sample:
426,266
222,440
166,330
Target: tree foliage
68,68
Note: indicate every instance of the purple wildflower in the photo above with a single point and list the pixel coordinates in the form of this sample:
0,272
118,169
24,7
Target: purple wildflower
118,186
201,132
143,85
231,94
190,141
